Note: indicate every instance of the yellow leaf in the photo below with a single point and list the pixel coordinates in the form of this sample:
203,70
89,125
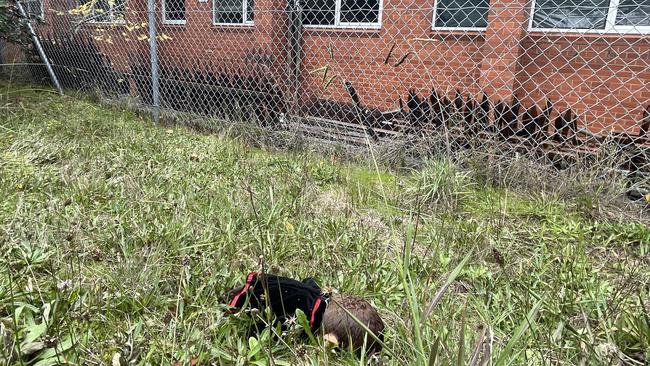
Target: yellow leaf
164,37
647,197
288,226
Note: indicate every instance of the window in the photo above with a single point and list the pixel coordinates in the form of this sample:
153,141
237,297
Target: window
592,15
233,11
633,13
342,13
173,11
33,8
107,11
461,14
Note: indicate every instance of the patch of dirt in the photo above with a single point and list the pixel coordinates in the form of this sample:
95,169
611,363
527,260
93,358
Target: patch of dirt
371,220
336,203
332,203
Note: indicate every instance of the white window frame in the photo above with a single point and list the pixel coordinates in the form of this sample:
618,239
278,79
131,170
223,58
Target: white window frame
470,29
246,22
100,22
349,25
172,21
610,24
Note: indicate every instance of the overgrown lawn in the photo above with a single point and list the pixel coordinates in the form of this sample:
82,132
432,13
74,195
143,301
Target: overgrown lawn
118,236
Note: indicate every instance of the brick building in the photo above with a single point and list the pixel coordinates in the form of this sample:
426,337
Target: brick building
591,56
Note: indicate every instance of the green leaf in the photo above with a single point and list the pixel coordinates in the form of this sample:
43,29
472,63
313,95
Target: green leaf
301,319
441,291
461,338
53,352
254,347
34,332
32,347
18,312
433,354
46,312
49,362
222,355
530,318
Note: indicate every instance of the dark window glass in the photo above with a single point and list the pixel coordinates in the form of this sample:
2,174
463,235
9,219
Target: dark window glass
232,11
633,12
250,14
462,13
319,12
570,14
229,12
175,10
359,11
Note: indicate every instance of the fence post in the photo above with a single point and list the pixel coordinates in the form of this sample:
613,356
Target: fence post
39,48
153,50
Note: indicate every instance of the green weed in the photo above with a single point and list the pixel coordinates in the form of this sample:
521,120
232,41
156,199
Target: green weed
118,238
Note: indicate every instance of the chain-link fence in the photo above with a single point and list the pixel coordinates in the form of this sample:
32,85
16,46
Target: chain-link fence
559,82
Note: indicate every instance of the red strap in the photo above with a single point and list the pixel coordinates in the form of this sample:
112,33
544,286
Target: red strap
252,275
313,312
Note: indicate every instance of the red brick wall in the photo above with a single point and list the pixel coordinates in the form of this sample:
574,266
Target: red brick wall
116,42
507,21
448,61
602,78
200,43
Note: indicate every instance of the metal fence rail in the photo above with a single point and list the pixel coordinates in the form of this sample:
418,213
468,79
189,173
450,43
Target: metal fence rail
561,83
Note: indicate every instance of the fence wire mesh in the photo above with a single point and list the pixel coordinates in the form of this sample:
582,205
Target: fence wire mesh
561,83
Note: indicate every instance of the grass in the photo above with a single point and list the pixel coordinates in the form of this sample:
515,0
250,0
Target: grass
118,238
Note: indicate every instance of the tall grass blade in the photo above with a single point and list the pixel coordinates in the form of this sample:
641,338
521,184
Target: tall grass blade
480,343
487,351
414,309
433,355
461,338
523,327
441,291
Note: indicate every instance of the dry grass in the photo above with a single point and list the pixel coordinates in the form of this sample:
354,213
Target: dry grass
117,238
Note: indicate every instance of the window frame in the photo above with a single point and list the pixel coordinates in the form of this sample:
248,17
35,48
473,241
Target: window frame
610,24
460,29
104,22
172,21
245,23
349,25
